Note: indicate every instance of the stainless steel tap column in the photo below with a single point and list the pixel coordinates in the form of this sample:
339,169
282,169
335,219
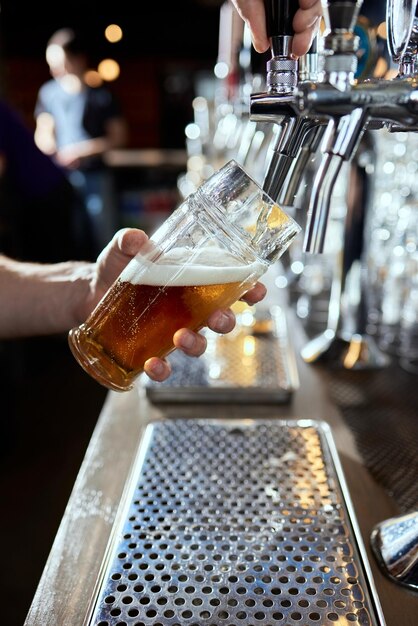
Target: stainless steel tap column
338,66
279,105
345,342
282,79
299,108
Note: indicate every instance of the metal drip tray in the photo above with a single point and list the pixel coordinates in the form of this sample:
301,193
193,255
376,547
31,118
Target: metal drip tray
254,363
235,523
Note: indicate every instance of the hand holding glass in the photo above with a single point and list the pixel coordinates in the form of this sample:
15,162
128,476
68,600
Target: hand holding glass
205,256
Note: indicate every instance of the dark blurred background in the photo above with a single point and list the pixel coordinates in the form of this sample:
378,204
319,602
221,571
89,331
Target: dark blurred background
158,56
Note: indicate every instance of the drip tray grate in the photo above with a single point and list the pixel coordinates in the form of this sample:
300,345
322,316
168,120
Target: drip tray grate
254,363
235,523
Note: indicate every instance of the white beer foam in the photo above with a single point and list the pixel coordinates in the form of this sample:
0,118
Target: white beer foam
181,267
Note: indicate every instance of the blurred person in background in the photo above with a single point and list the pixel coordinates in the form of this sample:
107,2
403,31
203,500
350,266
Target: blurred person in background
42,220
36,199
77,124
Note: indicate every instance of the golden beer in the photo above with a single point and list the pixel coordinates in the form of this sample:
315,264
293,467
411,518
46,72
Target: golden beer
204,257
137,321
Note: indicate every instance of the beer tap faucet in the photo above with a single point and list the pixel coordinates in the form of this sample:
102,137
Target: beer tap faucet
282,79
280,104
298,142
346,107
300,149
344,131
298,108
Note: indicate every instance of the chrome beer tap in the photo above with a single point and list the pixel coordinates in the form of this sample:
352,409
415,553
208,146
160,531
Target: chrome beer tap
282,79
299,150
346,341
339,133
395,540
346,107
299,109
298,143
338,66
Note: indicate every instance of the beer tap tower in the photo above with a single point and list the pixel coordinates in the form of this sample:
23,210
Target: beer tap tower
395,541
345,111
337,112
348,108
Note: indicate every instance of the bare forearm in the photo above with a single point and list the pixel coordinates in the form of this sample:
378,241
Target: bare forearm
39,299
115,137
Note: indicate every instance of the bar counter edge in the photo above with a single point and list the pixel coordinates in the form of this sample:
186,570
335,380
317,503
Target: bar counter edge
72,572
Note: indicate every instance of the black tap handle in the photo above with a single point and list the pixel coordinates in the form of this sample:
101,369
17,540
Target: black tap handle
282,69
279,17
341,14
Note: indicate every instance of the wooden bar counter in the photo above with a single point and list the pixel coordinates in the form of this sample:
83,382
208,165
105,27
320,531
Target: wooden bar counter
72,570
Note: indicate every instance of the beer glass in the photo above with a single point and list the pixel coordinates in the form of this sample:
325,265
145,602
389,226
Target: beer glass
205,256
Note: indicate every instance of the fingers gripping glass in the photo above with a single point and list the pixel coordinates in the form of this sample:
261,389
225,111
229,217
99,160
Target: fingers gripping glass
205,256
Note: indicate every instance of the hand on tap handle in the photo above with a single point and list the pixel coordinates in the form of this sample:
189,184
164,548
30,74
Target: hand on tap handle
279,16
305,22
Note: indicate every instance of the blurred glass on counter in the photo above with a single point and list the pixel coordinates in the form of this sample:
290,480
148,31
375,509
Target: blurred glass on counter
392,258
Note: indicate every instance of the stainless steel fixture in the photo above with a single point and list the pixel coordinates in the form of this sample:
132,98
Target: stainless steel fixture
347,107
255,363
395,543
237,522
351,110
339,113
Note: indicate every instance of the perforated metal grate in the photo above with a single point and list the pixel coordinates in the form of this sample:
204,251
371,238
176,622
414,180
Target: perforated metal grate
380,408
235,523
254,363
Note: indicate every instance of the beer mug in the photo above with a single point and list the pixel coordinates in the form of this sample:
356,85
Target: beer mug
211,250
